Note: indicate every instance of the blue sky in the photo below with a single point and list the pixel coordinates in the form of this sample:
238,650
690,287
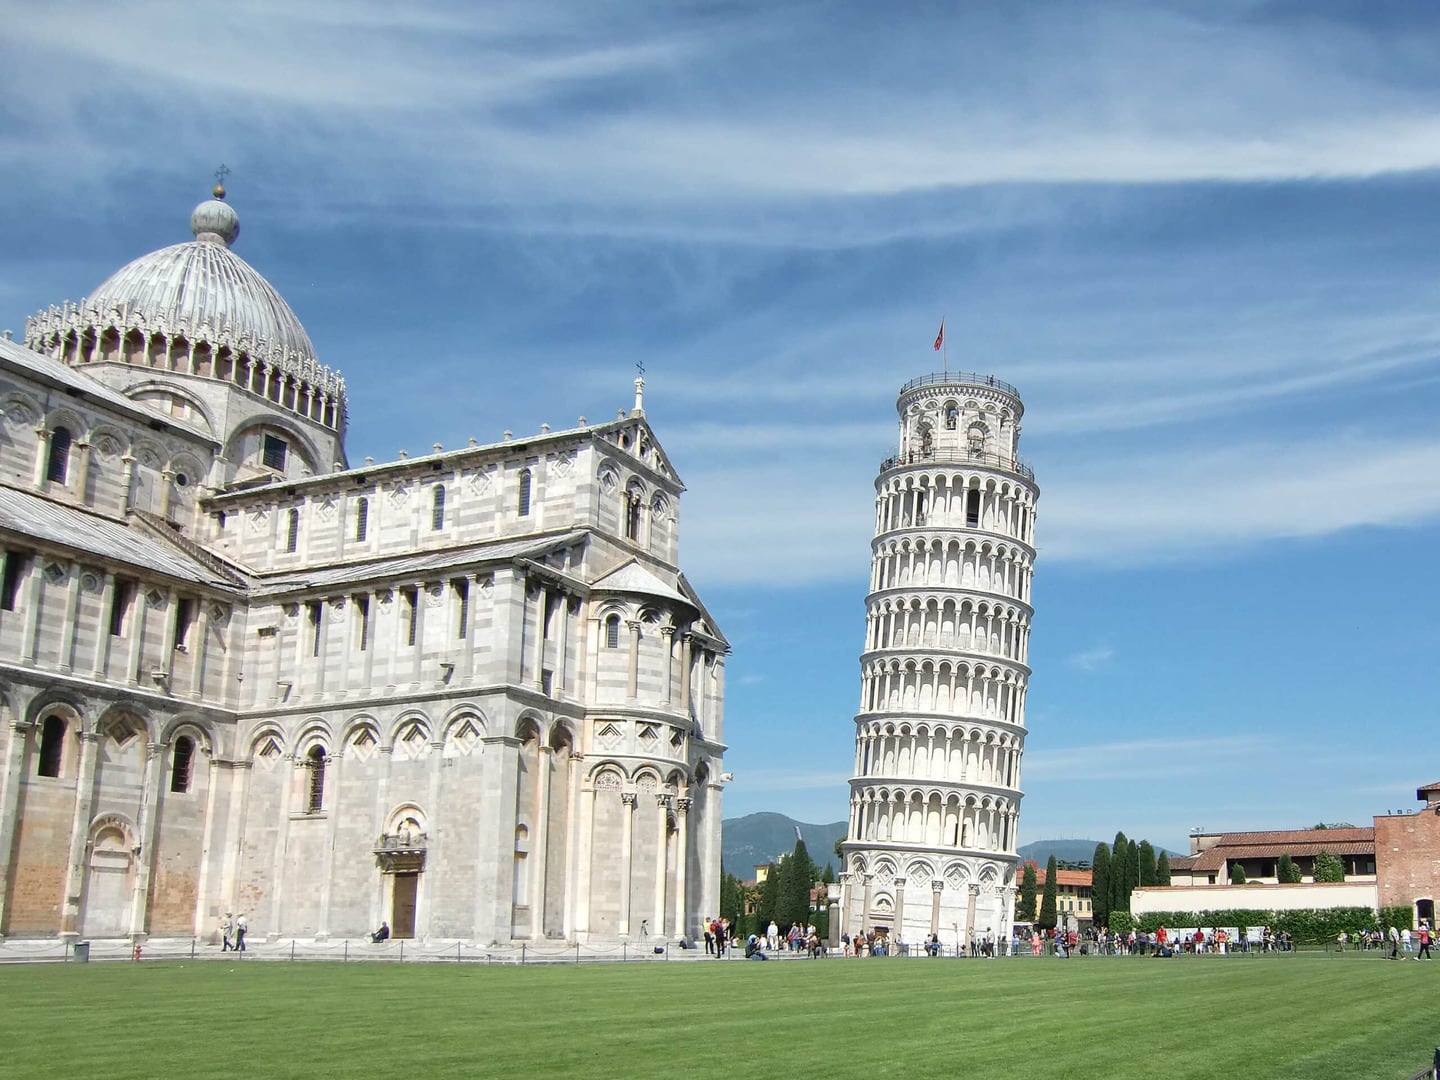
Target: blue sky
1202,240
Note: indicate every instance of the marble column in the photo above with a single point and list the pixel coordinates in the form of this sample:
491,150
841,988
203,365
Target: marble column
937,886
627,798
79,832
682,859
662,818
10,803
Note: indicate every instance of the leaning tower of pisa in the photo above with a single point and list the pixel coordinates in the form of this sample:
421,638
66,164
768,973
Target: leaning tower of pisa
935,796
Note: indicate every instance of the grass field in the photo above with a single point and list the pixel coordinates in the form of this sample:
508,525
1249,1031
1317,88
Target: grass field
1238,1017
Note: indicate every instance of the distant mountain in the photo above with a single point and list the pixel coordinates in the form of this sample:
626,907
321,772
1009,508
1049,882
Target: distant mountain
1063,850
750,841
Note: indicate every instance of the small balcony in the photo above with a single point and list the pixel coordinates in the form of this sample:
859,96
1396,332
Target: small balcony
948,455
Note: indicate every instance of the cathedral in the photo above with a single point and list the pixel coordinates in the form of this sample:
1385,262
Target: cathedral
468,693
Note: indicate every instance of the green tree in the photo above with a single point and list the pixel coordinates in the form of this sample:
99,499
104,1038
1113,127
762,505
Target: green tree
1147,863
1328,867
732,897
797,878
1237,874
1162,868
1100,885
1046,918
1025,903
828,877
1120,872
1286,872
765,905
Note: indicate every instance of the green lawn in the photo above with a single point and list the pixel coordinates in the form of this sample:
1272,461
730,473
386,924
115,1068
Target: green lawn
1114,1018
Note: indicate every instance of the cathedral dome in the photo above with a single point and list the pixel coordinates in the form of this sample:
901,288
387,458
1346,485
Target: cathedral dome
201,288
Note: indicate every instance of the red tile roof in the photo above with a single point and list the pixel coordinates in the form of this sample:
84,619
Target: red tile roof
1271,845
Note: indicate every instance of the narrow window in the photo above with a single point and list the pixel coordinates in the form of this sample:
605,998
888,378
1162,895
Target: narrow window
180,764
16,564
462,596
120,605
952,418
362,612
523,505
362,518
52,744
316,801
57,467
412,611
184,616
273,454
972,509
292,531
612,632
437,508
312,610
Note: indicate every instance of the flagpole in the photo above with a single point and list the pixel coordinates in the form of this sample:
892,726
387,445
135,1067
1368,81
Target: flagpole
945,346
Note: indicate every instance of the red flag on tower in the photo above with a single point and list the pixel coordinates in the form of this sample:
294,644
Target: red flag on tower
940,337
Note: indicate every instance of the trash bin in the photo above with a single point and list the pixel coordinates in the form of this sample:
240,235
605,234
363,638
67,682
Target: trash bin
82,952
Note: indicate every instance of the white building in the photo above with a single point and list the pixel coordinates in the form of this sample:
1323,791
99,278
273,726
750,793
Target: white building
935,798
469,693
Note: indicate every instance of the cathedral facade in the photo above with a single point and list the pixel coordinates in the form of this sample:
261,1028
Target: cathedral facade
468,693
935,793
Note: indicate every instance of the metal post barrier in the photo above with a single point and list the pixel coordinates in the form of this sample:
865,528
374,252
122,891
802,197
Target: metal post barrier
346,957
402,950
457,952
577,952
292,948
522,954
192,948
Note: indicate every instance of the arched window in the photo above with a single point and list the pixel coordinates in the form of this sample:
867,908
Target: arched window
972,509
57,466
634,501
292,531
52,746
362,518
952,417
523,503
437,508
181,761
612,632
316,801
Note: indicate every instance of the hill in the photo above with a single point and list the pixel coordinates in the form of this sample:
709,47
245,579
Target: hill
746,842
1074,851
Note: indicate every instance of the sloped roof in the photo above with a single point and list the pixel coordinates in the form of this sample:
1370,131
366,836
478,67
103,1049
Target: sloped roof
45,370
419,565
1292,842
631,577
1078,878
104,537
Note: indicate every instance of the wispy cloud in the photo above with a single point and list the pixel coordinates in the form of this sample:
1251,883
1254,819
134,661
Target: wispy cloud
1091,659
1186,756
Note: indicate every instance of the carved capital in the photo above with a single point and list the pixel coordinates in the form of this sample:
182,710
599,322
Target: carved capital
628,798
937,886
682,805
663,801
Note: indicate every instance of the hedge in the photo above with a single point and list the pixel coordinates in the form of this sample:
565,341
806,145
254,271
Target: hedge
1314,926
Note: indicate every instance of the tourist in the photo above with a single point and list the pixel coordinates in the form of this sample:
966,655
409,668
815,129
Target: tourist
772,936
227,933
1407,944
240,927
1394,944
1424,941
383,934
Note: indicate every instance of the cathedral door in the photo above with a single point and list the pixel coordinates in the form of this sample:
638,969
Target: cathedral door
108,888
402,917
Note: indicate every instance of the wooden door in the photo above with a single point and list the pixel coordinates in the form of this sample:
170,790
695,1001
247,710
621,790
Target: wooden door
402,918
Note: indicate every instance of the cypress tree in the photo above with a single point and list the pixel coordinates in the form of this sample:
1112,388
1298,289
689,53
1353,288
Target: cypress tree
1100,885
1147,863
1132,870
1025,904
765,908
1162,868
1119,873
1046,918
1286,872
797,878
